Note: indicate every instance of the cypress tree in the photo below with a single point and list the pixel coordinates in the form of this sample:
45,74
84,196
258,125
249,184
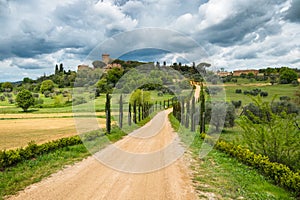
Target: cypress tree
121,112
187,117
56,69
61,68
140,112
182,111
193,111
129,114
134,112
107,112
202,109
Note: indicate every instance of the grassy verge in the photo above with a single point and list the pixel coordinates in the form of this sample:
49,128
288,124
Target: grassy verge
16,178
31,171
218,176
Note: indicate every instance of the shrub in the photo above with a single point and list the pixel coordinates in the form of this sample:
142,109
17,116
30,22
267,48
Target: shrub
246,92
36,95
285,98
58,100
284,81
57,92
238,91
47,94
284,106
7,86
79,100
237,104
7,94
213,90
295,83
2,98
264,94
281,174
11,100
38,101
12,157
273,135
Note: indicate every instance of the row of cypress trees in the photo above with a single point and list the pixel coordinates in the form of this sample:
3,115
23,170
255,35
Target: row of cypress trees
188,114
136,112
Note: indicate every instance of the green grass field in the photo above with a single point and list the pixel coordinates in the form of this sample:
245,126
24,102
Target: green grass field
218,176
273,91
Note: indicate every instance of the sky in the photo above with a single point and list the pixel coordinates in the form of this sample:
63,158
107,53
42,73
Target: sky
231,34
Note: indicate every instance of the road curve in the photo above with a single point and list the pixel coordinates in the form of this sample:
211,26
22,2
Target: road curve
91,179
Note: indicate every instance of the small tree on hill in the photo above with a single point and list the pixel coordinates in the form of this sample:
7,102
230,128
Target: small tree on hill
25,99
47,85
287,75
7,86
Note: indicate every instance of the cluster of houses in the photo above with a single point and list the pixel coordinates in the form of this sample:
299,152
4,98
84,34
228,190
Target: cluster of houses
238,72
107,63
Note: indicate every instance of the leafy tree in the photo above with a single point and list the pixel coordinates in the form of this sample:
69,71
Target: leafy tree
27,80
7,86
140,97
25,99
287,75
47,85
113,75
223,114
103,86
250,75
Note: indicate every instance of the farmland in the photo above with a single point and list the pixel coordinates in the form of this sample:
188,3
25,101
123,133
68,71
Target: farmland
52,116
46,124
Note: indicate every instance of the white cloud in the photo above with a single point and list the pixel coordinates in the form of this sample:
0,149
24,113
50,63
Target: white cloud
35,36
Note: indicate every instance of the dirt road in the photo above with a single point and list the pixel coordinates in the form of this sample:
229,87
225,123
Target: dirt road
146,150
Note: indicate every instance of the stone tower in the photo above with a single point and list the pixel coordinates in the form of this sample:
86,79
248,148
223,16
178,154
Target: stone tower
105,58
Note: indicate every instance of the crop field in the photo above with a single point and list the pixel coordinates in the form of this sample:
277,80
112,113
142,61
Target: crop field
49,123
18,132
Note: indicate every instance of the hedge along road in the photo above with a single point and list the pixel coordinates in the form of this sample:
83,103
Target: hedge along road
90,179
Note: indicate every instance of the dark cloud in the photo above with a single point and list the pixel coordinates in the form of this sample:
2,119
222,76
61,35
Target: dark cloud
293,13
245,55
238,33
249,19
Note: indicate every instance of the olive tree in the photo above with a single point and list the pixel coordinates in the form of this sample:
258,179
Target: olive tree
47,85
25,99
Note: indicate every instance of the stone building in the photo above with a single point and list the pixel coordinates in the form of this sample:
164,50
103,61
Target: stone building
246,71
